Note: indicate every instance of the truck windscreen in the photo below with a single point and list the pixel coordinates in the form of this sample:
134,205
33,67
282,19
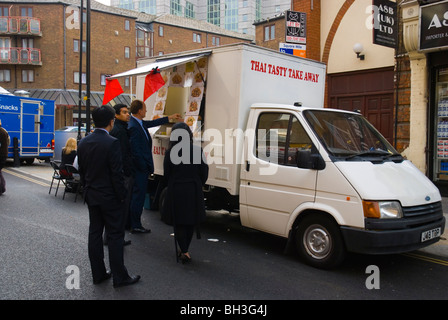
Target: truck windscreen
349,136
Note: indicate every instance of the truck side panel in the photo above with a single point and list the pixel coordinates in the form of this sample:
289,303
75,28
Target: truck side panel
31,121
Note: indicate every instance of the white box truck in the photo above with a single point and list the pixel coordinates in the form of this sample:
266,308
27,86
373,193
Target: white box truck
325,179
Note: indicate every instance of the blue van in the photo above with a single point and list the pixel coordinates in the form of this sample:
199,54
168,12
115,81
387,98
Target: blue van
31,121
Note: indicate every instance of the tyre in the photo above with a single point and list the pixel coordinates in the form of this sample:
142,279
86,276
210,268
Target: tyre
319,242
29,161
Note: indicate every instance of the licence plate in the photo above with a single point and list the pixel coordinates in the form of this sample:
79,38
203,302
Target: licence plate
431,234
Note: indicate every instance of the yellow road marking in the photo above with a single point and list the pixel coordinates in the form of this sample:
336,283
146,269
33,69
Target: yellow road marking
426,258
26,177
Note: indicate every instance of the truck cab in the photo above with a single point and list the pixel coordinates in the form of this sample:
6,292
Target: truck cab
330,182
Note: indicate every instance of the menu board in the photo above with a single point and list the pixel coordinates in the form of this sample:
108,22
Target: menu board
191,75
162,93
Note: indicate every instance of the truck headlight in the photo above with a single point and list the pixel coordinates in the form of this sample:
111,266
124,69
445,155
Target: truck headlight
382,209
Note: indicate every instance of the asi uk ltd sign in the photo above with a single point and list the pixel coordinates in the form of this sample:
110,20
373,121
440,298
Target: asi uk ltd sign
434,26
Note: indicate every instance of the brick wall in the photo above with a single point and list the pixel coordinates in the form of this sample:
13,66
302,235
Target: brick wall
175,39
107,46
280,33
404,103
312,26
312,31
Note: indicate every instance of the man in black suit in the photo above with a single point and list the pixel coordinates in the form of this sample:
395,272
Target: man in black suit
101,170
141,149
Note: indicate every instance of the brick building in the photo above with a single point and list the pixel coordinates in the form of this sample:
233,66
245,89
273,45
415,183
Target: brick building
53,73
40,48
332,30
169,34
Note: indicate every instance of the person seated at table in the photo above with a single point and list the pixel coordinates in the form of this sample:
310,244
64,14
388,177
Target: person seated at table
68,156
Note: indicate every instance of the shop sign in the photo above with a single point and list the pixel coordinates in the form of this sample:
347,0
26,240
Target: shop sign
295,27
298,50
434,26
385,23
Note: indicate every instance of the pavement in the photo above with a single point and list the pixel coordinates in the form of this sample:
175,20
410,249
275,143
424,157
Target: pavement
43,171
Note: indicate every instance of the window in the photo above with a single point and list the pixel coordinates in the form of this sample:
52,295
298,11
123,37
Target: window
279,137
27,43
103,79
127,52
147,6
5,44
127,25
27,75
126,82
213,12
215,41
175,8
160,31
4,11
26,12
245,17
160,53
231,15
76,77
189,10
76,45
5,75
196,37
269,32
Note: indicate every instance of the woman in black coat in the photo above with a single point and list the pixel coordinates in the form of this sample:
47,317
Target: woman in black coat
185,172
68,156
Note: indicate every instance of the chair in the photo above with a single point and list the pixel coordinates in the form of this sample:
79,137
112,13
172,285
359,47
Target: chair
74,182
56,176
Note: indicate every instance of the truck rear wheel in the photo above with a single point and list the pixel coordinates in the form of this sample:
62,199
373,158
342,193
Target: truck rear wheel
319,242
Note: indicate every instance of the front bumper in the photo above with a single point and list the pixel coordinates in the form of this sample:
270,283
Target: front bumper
384,236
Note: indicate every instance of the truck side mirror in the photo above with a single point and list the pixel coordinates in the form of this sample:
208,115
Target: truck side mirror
310,159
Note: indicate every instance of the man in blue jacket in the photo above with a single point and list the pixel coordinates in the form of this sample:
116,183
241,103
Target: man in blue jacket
141,149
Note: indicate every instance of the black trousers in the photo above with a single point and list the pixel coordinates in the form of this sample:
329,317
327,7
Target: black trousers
184,234
107,216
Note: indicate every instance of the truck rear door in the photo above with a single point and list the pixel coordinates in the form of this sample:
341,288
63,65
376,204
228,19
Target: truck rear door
272,186
30,127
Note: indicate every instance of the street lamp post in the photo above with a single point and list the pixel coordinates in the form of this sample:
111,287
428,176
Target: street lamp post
81,12
88,70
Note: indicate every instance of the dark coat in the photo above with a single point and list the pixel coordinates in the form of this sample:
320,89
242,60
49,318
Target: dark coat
4,141
120,131
67,158
185,198
141,146
100,167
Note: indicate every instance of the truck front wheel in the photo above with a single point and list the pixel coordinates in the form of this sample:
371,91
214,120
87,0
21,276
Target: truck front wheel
319,242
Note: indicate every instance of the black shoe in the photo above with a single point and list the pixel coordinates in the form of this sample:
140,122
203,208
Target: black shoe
127,282
125,242
184,258
140,230
105,277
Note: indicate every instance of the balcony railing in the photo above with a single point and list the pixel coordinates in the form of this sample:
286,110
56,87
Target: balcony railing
20,25
20,56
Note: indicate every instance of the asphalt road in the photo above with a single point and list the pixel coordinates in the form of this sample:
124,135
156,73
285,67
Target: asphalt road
43,235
